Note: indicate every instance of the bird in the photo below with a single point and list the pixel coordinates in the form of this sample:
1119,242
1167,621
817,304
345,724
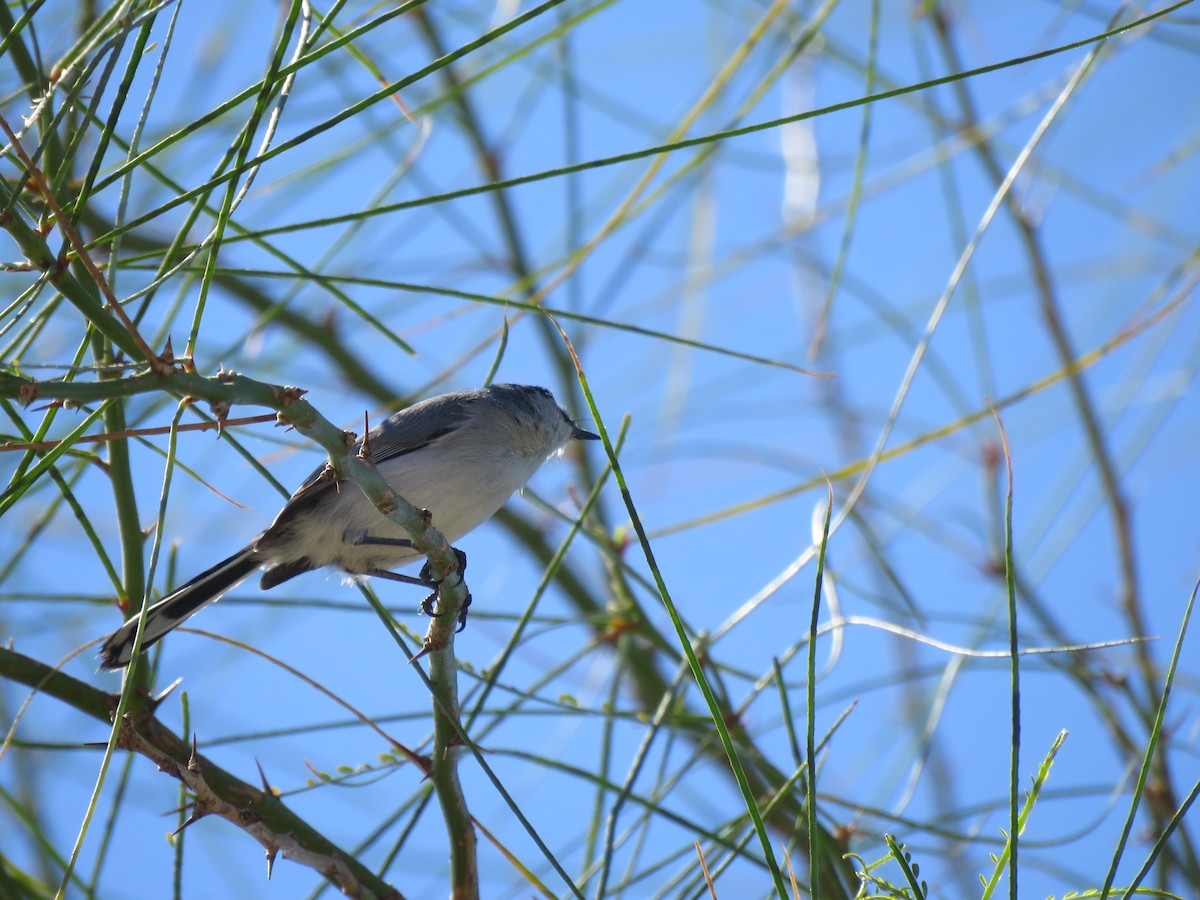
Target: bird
459,455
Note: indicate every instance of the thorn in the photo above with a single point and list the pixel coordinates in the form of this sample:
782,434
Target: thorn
196,816
425,648
327,474
291,394
155,701
267,789
271,851
168,354
194,759
220,409
364,451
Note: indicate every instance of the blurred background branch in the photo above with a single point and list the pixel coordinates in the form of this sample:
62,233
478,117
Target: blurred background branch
715,197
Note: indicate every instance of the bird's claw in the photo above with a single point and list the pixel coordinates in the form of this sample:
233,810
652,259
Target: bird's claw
427,605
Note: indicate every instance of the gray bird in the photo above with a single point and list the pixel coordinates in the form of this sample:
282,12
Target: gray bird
460,456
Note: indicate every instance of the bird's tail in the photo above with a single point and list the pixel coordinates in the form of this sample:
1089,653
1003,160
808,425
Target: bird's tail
175,608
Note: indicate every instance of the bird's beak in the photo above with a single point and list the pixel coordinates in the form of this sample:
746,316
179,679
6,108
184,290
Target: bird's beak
580,435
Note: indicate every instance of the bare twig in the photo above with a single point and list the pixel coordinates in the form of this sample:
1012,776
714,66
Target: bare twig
256,811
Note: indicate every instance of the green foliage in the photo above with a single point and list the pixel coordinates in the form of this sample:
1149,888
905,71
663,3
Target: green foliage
780,254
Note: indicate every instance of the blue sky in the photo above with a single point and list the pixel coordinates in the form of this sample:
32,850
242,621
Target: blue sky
737,253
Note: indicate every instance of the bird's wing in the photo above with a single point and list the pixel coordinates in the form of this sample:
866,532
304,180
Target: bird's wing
403,432
418,426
